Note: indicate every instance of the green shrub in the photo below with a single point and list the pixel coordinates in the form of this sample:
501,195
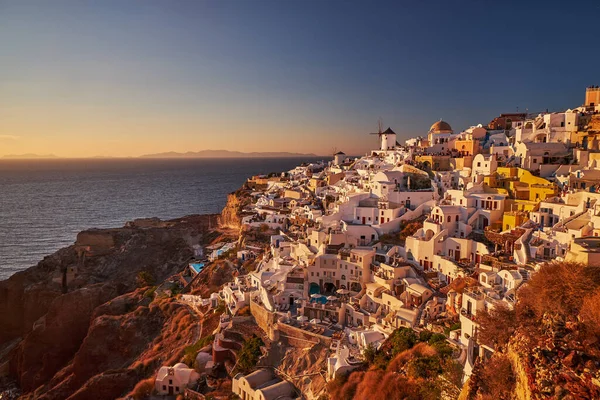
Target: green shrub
249,354
190,352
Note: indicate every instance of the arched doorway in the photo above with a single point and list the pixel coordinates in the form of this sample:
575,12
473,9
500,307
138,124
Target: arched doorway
483,222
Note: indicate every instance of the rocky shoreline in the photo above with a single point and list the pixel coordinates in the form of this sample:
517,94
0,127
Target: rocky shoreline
77,321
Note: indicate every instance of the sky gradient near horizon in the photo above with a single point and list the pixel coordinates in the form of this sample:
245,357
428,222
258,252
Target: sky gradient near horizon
126,78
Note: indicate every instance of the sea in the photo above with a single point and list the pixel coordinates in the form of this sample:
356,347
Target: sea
45,203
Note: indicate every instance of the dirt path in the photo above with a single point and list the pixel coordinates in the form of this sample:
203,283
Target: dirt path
198,316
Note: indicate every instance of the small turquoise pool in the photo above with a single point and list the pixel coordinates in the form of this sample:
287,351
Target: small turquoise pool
197,267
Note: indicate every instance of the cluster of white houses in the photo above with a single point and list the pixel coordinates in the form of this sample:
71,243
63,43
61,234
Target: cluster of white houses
485,206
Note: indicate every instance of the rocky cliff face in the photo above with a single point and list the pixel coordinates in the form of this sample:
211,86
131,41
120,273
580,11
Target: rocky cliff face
75,320
230,216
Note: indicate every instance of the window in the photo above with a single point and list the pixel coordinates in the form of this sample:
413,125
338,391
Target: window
177,388
456,218
170,381
535,160
449,219
312,273
164,387
479,164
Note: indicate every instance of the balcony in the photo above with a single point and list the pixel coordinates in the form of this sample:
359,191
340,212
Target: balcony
474,292
467,314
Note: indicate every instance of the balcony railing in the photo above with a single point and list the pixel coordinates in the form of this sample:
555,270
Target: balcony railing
474,293
467,314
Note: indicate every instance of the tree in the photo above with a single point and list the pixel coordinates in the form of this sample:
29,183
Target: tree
496,326
369,353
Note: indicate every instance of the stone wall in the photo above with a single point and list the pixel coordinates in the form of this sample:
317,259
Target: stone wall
297,337
95,241
264,319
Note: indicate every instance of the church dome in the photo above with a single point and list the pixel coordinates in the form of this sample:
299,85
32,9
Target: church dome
440,127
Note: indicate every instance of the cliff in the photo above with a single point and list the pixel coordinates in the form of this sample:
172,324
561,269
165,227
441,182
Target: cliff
77,320
231,216
548,346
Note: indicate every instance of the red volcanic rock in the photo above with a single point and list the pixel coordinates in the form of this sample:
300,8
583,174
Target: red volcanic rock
56,337
107,386
67,342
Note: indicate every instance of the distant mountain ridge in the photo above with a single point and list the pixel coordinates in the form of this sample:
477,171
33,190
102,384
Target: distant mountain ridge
29,156
226,154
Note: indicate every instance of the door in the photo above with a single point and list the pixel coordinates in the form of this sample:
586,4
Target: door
457,255
170,390
363,220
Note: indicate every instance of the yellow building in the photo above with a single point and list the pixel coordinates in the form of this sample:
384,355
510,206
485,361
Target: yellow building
435,163
513,219
524,189
467,147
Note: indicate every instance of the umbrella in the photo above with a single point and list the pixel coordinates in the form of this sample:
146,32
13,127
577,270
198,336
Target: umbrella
302,318
315,321
316,296
342,291
331,298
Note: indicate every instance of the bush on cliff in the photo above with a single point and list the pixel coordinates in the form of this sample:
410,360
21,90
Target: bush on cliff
554,330
407,366
143,389
249,354
190,352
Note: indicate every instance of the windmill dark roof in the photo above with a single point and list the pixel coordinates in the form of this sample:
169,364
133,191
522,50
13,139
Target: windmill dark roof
389,131
340,153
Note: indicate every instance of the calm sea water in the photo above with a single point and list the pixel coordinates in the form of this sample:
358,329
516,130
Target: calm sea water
45,203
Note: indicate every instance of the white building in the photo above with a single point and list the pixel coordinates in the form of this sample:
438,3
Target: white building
174,380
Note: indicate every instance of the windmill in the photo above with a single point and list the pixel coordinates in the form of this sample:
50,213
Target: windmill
387,138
